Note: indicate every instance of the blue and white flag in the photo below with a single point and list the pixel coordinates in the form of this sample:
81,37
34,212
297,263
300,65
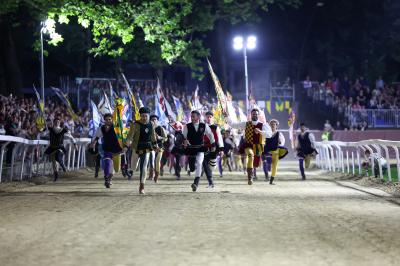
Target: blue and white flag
96,117
162,118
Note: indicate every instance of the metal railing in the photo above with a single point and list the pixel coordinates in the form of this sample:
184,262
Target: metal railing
28,158
282,93
345,157
375,118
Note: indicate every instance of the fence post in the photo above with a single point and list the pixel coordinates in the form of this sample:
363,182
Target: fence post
3,147
388,162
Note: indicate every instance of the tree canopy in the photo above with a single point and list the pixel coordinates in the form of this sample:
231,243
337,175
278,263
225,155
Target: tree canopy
165,30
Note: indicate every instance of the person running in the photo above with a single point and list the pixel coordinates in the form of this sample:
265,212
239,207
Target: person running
210,154
254,133
229,146
142,138
274,150
155,161
56,149
193,133
178,149
110,147
305,147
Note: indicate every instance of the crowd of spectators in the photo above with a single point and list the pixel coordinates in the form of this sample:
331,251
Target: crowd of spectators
18,114
359,94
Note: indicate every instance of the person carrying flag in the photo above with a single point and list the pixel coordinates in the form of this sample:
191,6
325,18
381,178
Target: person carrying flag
142,138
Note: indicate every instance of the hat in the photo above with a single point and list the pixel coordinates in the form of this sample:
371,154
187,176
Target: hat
154,116
144,110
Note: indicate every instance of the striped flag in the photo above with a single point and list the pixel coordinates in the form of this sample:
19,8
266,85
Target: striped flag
160,113
132,98
40,120
218,89
179,108
165,106
120,130
66,102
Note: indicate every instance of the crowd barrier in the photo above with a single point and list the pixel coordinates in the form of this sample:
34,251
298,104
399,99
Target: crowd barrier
346,157
28,158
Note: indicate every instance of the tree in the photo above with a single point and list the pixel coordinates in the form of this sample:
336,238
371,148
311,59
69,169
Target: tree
170,34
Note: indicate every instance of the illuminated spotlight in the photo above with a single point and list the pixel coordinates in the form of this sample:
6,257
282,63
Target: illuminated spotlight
251,42
47,25
238,43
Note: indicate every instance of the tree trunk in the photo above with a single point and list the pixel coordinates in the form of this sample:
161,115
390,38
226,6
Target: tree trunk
12,72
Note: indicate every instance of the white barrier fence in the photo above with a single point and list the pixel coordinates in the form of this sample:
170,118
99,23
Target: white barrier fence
28,158
346,157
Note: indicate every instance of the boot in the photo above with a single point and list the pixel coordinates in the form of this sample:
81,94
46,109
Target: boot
156,176
255,173
151,174
55,176
271,180
195,184
96,172
106,182
249,176
141,188
303,177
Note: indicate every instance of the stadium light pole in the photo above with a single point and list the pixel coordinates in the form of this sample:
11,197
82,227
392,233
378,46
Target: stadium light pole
239,44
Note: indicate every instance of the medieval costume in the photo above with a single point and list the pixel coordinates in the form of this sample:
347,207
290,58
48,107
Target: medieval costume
305,149
194,139
56,149
155,156
111,149
142,138
274,150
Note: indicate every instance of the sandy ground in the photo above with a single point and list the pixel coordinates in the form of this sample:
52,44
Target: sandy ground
317,222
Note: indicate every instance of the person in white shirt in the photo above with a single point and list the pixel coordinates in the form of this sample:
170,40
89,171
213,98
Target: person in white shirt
274,150
194,133
211,156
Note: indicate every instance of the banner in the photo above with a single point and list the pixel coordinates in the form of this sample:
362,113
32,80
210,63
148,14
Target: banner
162,118
179,108
66,102
131,97
40,119
218,89
120,130
164,104
195,102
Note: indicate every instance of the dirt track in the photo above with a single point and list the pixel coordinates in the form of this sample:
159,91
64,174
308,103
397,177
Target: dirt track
317,222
